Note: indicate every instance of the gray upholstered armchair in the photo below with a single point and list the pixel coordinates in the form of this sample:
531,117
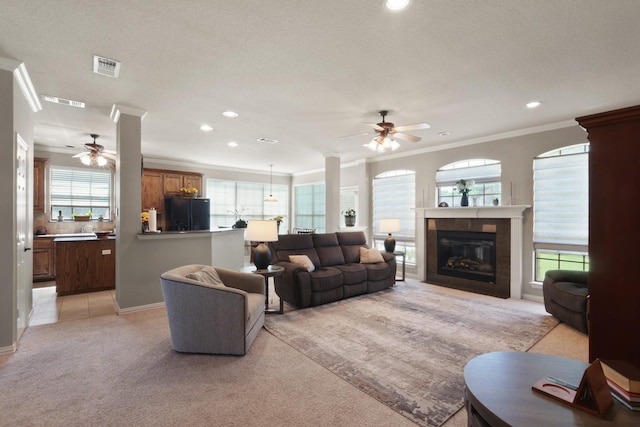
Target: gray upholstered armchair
205,317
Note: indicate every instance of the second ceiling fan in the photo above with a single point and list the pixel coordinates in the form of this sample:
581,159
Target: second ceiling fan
95,154
386,130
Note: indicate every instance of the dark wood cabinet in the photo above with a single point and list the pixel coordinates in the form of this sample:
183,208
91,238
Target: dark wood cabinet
172,183
44,264
614,307
85,265
39,166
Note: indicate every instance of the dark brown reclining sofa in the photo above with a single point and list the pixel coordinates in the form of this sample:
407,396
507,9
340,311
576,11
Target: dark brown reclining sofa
338,272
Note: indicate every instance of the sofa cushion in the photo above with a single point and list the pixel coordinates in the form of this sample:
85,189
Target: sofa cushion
370,256
326,278
293,244
208,275
353,273
329,251
351,242
570,295
377,271
302,260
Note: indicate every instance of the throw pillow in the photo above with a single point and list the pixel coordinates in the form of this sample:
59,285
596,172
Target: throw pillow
207,275
302,260
370,256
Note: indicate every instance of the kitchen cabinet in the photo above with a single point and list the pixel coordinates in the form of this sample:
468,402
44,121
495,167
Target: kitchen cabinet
85,265
157,183
44,265
152,190
39,166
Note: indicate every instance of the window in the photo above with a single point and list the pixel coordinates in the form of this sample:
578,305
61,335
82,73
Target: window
349,199
78,191
310,206
561,210
486,174
394,196
247,200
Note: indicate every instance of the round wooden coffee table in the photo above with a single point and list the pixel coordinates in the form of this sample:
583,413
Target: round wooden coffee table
498,393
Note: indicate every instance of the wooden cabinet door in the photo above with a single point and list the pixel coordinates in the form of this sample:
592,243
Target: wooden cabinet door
193,181
152,191
43,259
38,184
171,184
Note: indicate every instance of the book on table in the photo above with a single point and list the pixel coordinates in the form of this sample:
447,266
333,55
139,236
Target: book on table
634,406
628,396
622,373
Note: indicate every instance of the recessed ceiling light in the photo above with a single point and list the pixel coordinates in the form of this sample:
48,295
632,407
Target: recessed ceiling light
444,133
231,114
397,4
533,104
232,144
206,128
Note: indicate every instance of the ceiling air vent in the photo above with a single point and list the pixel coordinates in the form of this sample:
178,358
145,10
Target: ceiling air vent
63,101
106,66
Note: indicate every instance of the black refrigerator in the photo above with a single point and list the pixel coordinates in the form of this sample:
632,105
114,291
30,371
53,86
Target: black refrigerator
187,214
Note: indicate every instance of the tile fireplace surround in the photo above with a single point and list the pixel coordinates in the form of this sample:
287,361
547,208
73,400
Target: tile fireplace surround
505,221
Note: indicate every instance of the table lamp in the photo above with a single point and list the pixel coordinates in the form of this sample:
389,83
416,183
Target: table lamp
389,225
262,231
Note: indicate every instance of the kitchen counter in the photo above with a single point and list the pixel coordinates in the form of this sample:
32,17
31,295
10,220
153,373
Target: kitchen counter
85,264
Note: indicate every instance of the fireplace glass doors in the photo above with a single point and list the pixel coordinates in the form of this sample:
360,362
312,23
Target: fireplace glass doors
467,254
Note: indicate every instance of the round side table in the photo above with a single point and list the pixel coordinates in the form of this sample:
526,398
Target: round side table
271,271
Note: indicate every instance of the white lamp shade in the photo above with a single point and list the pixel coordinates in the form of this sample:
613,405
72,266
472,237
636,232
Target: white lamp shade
389,225
262,231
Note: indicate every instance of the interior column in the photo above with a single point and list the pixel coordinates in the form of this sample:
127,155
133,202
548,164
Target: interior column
332,192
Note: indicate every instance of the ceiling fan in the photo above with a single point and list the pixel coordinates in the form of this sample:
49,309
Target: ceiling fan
386,130
95,154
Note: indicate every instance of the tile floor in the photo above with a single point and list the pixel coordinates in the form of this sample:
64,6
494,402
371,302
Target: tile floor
49,308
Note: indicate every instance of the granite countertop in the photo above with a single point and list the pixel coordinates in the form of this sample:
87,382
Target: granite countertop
82,239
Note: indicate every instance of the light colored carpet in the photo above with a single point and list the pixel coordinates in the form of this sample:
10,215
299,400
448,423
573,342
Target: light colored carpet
407,346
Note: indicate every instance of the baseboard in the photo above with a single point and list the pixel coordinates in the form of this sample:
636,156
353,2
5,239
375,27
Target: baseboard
7,351
138,308
531,297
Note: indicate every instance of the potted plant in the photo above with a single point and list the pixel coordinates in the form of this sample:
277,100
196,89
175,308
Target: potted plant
349,217
240,223
85,217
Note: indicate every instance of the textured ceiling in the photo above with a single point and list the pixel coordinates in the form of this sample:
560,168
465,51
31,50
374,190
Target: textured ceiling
308,72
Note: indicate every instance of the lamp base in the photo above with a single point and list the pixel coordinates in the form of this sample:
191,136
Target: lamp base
262,256
389,244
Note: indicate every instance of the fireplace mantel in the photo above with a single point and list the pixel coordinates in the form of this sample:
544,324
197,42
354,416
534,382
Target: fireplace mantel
513,212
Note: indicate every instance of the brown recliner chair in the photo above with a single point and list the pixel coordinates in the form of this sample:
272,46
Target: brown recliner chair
566,297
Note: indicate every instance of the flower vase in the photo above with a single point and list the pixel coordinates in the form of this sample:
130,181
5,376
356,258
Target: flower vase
145,228
464,201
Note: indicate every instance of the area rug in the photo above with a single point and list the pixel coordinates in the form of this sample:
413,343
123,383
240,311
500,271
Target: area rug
407,346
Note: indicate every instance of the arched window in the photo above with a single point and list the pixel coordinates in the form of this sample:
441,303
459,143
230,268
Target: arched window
484,172
394,196
561,210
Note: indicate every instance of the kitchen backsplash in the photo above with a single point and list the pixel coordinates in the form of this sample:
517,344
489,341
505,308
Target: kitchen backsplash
55,227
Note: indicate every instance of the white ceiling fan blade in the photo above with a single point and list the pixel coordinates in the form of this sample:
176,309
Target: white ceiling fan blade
406,137
375,126
355,134
108,155
416,126
80,155
109,151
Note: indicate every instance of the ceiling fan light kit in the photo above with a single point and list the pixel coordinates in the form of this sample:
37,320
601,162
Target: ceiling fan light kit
96,156
383,140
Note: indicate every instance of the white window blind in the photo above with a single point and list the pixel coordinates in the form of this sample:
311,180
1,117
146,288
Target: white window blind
310,206
561,200
76,191
394,196
247,199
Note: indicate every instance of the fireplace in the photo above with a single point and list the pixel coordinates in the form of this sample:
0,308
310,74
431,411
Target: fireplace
467,254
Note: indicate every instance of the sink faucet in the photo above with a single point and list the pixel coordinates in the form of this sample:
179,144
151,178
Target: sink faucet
82,229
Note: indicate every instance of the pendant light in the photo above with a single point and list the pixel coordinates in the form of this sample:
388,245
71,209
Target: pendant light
271,198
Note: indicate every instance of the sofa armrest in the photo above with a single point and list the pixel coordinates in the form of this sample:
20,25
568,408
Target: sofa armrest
388,256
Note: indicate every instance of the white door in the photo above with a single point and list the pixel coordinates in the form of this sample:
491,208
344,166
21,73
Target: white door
22,275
